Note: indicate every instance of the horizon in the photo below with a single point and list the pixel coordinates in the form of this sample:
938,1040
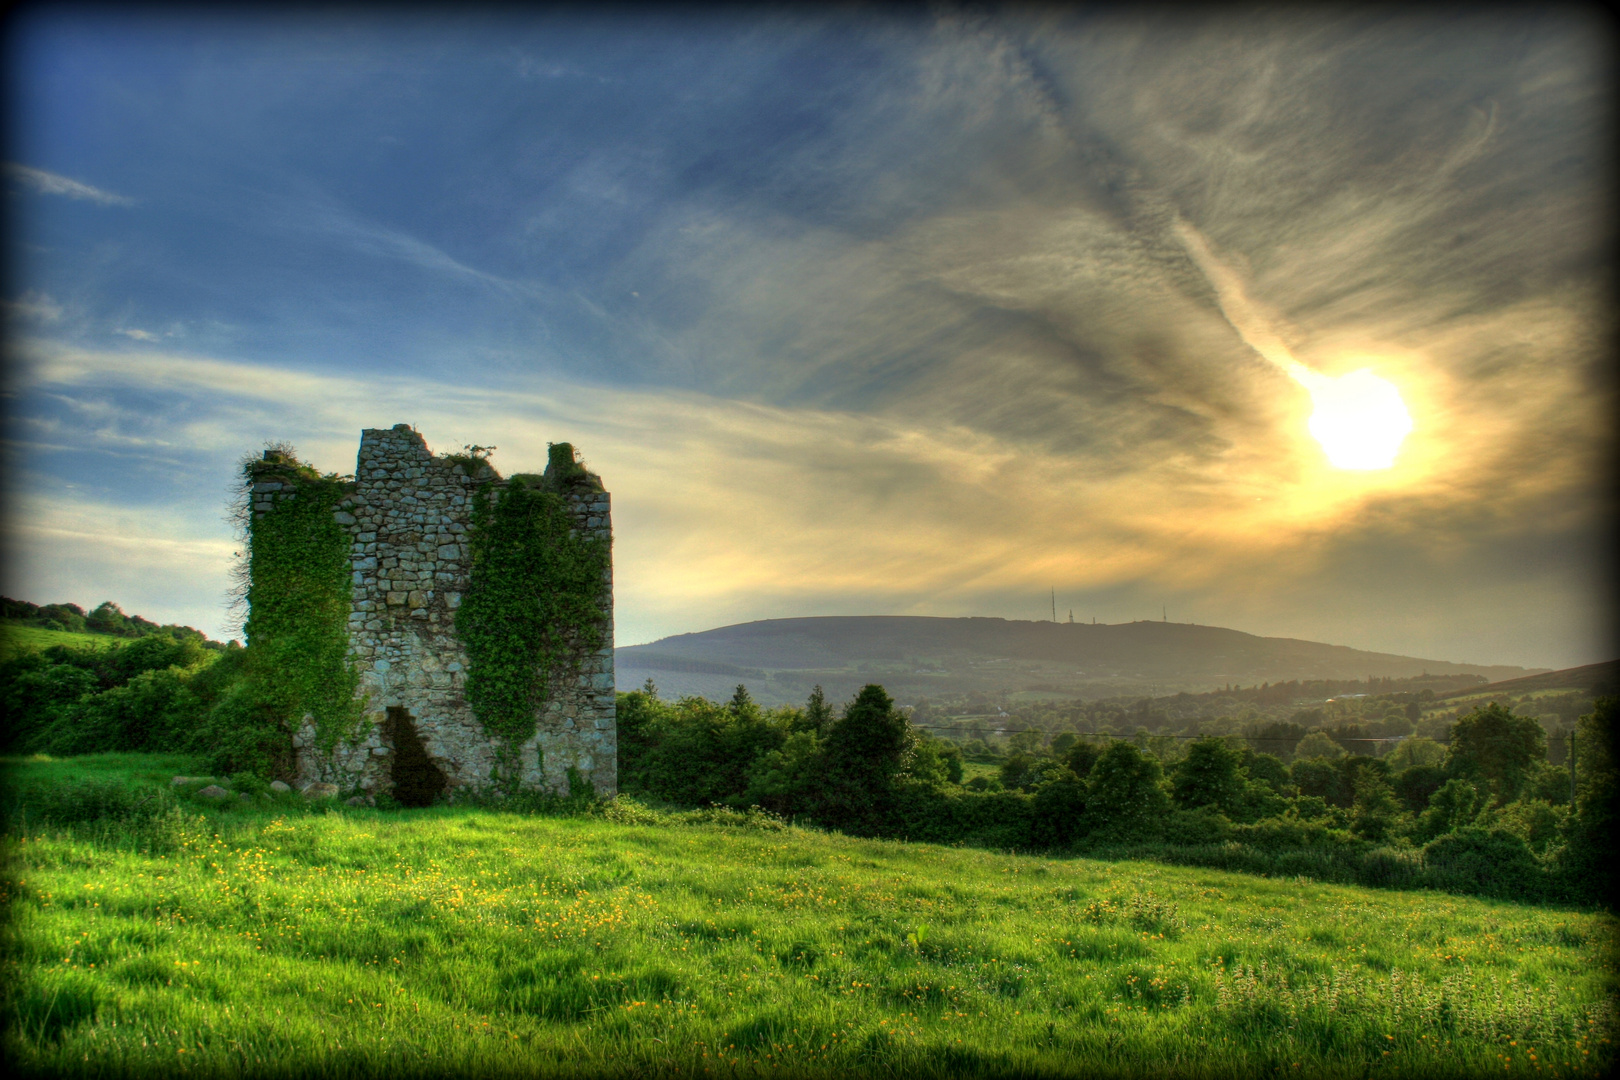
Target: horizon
1294,321
1528,669
1165,621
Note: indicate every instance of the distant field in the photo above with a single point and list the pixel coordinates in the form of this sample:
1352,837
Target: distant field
158,769
459,942
15,639
971,769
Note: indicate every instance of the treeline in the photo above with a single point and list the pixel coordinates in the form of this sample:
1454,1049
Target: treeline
153,694
1484,813
160,688
1359,723
108,618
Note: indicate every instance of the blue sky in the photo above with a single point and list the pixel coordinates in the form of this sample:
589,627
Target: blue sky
855,312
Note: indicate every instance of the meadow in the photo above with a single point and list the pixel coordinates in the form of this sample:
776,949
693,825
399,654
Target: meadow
275,938
16,639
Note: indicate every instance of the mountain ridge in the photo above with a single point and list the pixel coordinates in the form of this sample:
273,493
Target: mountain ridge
913,654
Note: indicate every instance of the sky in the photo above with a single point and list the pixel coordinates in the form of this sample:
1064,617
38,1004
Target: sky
854,311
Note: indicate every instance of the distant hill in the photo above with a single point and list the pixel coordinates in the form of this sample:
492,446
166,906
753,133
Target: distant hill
914,656
1600,679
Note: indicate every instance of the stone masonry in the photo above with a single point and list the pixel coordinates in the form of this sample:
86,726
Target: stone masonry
408,518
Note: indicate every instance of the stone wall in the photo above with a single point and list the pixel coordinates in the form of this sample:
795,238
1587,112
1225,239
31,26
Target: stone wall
408,518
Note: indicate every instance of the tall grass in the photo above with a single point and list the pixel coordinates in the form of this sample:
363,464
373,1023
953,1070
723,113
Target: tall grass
285,940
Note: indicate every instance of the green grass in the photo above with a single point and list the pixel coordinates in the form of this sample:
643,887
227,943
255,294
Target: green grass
286,941
972,769
126,768
15,638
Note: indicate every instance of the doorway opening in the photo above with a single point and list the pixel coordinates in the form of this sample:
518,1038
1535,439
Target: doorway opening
417,781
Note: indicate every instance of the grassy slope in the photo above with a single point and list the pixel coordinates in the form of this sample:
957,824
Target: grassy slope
127,768
15,638
478,943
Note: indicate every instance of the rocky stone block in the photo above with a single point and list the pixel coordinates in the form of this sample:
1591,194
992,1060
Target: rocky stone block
213,792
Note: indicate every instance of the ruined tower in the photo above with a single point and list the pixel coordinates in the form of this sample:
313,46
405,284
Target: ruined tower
411,518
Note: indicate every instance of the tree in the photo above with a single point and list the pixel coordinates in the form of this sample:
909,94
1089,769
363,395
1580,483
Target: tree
1027,741
816,715
868,749
109,618
1123,798
742,703
1586,864
1060,807
1269,770
1375,812
1209,776
930,764
1013,769
1415,751
1317,744
1454,806
1082,758
1493,746
1416,785
786,780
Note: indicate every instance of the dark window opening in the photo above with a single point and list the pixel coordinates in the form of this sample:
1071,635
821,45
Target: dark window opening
417,781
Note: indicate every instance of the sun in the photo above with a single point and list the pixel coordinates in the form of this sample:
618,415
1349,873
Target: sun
1359,419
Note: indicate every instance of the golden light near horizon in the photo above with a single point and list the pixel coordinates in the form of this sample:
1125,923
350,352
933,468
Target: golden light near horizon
1359,419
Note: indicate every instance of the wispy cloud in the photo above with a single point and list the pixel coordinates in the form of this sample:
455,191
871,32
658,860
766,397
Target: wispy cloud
720,502
34,306
871,314
48,183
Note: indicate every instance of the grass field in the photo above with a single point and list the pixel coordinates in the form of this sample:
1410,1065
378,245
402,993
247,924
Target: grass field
282,941
15,638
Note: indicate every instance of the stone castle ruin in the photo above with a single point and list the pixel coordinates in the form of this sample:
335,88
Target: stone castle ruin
411,519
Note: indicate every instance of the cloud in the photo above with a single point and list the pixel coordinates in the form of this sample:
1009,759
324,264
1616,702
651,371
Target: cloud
34,306
47,183
155,562
896,314
723,505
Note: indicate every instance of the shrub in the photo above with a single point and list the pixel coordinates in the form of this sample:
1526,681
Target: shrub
1201,825
1059,810
1491,863
1454,806
1535,821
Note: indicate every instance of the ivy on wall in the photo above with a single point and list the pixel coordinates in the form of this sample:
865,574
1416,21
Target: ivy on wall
535,594
299,600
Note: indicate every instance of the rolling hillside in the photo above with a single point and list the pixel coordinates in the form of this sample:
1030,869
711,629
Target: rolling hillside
1598,679
780,659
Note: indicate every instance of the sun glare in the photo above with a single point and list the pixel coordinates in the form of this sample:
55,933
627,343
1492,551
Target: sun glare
1359,419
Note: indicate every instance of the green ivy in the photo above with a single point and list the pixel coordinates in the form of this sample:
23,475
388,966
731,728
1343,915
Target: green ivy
299,597
535,594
